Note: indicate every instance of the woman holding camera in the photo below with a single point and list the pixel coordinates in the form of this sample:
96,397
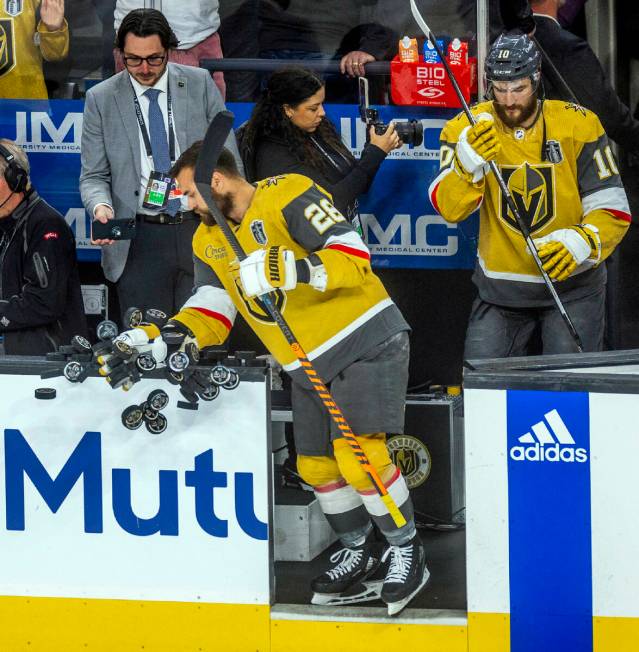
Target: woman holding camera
288,132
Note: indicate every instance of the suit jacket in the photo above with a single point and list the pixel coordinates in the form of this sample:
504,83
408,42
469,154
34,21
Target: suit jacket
583,73
111,166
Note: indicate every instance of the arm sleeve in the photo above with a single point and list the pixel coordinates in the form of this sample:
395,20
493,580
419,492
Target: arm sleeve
210,312
315,224
453,194
95,175
48,263
590,84
274,159
603,198
54,45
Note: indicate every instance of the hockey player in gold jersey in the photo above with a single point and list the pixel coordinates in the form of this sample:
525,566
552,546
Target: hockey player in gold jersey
557,163
301,248
26,41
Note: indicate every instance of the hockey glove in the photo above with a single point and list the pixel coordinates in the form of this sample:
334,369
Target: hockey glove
117,363
176,348
477,145
563,250
265,270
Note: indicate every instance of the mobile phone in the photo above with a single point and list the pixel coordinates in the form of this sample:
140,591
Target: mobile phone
114,229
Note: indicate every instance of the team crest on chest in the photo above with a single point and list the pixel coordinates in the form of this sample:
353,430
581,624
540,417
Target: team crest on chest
533,190
7,48
13,7
257,229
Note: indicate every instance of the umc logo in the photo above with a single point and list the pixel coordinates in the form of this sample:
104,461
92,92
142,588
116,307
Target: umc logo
533,190
85,462
549,441
428,235
37,132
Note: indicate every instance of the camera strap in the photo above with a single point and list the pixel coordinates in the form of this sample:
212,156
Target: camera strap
331,160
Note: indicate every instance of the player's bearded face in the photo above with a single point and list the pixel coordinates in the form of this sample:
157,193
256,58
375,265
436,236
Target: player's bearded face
224,201
515,103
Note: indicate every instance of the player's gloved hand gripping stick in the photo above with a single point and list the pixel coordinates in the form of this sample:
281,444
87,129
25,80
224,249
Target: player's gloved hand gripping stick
213,142
500,180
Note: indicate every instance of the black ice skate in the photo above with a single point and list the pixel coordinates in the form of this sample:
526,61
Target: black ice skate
345,582
407,574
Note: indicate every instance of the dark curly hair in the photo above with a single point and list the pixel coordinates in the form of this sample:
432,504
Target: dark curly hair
290,86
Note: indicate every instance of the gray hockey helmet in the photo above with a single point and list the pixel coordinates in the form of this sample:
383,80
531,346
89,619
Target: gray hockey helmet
512,56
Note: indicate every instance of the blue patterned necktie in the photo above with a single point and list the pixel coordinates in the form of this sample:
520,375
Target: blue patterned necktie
160,142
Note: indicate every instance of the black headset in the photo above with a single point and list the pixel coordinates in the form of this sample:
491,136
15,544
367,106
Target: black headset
15,175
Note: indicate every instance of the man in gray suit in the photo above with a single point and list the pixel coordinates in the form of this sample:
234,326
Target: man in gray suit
135,126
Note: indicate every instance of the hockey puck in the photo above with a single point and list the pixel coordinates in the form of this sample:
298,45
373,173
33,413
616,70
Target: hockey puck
155,316
146,362
178,361
156,426
233,381
133,317
80,344
132,417
149,413
158,399
106,330
187,406
45,393
72,371
220,374
210,393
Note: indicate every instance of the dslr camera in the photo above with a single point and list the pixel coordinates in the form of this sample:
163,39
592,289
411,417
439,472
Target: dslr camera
411,132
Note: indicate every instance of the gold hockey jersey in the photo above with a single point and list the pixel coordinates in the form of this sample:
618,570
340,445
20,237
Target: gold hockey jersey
23,45
334,327
576,181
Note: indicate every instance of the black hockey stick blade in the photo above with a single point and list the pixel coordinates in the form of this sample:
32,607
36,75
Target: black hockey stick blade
214,140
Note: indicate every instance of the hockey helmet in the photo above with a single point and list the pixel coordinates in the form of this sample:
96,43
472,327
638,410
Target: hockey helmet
513,55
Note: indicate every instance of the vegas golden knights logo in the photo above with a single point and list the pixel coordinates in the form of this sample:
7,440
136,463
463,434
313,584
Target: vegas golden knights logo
533,190
257,309
412,457
7,49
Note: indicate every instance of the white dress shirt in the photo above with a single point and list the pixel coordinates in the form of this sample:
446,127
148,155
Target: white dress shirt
147,161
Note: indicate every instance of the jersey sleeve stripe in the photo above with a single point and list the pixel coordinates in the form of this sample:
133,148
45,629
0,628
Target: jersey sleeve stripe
434,186
350,250
620,215
613,200
213,302
214,315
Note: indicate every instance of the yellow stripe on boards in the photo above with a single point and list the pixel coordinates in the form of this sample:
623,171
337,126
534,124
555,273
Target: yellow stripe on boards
67,625
615,634
319,636
489,632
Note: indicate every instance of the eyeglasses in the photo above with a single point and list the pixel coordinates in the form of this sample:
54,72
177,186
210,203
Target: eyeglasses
154,60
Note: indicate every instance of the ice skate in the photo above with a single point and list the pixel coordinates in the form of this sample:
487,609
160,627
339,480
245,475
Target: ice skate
344,582
407,575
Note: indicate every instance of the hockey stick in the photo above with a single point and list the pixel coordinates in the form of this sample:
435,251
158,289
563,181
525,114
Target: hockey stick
212,146
525,231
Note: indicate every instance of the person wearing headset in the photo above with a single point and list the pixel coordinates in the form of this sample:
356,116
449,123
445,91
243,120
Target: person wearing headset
40,298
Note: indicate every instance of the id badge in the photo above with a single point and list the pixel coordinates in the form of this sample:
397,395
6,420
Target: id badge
157,191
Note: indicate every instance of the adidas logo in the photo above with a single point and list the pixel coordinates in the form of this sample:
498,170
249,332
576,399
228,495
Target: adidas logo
548,443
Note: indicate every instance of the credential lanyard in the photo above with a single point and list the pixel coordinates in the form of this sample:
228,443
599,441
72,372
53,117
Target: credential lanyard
145,133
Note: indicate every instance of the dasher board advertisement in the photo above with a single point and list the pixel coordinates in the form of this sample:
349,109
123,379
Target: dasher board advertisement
91,509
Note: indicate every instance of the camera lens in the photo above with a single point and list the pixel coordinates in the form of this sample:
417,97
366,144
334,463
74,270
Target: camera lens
411,132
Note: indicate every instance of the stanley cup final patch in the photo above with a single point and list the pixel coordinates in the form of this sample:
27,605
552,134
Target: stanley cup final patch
553,152
13,7
257,229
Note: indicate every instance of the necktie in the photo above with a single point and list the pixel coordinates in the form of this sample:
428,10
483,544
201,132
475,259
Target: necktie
159,142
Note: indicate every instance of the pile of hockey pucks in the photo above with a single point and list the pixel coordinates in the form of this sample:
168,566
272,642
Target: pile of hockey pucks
148,412
77,357
196,384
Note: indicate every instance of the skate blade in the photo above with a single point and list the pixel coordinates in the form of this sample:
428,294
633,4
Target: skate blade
395,607
370,593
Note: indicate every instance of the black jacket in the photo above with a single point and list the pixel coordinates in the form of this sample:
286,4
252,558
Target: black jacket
344,179
583,73
40,299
